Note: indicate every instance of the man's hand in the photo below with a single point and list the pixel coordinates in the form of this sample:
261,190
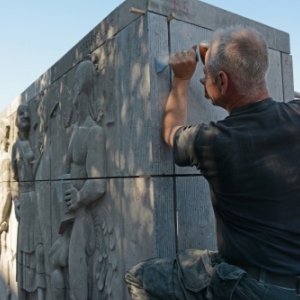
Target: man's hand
184,64
72,198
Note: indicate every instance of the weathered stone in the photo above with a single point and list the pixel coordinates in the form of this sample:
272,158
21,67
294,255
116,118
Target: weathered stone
95,137
30,252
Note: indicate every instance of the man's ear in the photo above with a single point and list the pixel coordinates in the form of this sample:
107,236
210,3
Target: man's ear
223,81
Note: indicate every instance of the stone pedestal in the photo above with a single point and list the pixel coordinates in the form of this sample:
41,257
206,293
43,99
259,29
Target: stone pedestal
150,207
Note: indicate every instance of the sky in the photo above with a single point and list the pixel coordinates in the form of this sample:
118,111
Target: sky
35,34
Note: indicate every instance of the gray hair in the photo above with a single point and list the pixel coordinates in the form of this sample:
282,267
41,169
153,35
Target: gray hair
242,53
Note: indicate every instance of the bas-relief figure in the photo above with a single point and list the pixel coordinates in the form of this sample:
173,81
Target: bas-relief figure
82,185
5,204
30,252
5,191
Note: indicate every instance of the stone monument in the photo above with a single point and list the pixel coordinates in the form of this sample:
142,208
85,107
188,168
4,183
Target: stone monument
95,188
30,252
5,205
85,159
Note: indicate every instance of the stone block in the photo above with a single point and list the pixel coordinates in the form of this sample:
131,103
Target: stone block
95,130
287,76
274,76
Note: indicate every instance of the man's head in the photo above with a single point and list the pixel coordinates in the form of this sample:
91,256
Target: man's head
23,119
241,55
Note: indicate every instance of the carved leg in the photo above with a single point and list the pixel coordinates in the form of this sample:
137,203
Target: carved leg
41,294
40,269
58,284
78,274
22,294
8,293
78,262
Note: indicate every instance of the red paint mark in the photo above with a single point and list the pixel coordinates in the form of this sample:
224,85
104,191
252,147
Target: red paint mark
182,7
176,5
186,8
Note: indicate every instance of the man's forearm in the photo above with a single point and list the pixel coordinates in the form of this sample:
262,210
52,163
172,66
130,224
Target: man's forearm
176,109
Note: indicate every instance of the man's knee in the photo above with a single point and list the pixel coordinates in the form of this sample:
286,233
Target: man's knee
151,279
58,284
134,276
134,280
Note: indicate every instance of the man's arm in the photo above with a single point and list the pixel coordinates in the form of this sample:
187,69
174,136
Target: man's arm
183,65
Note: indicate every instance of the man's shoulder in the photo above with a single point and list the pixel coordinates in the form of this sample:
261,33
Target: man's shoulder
291,107
294,102
192,131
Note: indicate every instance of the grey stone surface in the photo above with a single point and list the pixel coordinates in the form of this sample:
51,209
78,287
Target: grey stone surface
147,207
287,76
274,76
133,97
161,155
196,223
211,17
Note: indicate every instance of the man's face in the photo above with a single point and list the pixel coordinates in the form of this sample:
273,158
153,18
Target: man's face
23,120
211,87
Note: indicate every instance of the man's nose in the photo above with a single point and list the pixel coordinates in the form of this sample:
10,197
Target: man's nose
202,80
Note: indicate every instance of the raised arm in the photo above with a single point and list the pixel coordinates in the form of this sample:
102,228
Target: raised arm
183,65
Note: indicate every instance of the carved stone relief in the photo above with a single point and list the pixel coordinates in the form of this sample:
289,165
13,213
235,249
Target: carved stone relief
80,187
30,252
5,204
5,193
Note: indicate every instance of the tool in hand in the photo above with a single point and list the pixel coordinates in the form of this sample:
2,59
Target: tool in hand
162,63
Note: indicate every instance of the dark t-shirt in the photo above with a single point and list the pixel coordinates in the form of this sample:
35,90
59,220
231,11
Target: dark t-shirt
251,160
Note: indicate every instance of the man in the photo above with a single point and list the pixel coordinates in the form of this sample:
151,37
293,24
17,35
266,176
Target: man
85,162
251,161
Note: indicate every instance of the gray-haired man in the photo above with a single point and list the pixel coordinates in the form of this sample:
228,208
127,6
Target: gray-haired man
251,161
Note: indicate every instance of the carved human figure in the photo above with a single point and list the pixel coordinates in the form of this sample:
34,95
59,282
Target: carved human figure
5,202
30,252
5,191
70,254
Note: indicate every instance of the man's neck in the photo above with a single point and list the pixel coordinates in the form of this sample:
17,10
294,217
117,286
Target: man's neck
242,100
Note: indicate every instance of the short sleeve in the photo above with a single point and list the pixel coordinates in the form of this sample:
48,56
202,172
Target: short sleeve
184,146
